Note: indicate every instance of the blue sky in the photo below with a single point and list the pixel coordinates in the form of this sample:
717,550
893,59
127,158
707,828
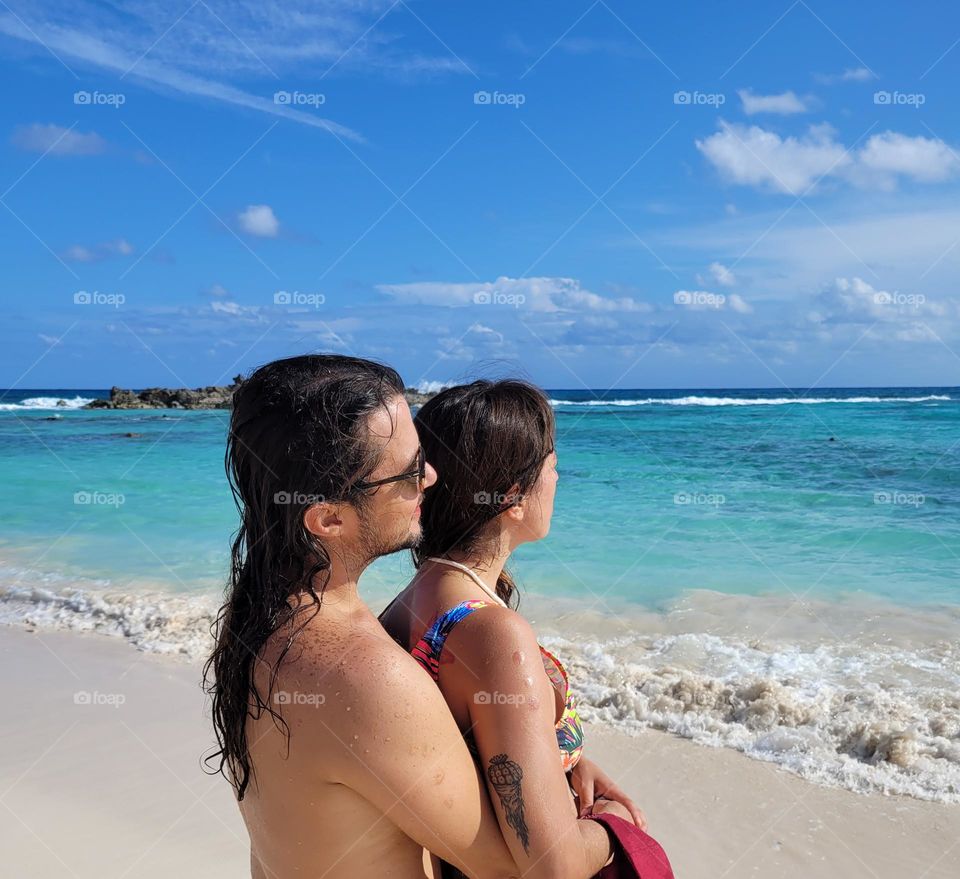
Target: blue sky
593,194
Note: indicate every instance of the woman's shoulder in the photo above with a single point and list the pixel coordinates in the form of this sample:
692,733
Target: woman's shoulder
494,630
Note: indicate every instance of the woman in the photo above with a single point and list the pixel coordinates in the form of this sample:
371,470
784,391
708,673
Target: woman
492,445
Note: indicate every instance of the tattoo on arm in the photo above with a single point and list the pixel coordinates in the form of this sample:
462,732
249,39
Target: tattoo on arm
505,776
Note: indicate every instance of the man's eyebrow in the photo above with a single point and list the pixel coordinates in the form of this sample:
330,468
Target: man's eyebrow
414,460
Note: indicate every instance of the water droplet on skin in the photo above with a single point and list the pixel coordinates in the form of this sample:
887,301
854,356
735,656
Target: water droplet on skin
356,737
518,657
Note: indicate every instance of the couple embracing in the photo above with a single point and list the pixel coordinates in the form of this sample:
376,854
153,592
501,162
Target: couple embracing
439,738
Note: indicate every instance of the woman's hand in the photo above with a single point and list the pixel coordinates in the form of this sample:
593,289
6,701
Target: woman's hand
592,786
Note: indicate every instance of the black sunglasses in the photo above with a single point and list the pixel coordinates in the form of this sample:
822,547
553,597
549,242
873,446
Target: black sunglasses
420,474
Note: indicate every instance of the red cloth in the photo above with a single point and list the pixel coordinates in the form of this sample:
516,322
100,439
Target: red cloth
637,855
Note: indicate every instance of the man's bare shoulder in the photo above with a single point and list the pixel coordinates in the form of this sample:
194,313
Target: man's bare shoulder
353,671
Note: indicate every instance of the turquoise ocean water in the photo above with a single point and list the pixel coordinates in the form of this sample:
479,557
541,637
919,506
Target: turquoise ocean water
770,570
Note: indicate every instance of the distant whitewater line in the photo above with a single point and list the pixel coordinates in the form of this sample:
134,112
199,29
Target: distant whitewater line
872,719
47,403
35,403
746,401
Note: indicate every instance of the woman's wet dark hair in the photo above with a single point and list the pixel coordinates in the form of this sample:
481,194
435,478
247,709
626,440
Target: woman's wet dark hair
298,434
482,439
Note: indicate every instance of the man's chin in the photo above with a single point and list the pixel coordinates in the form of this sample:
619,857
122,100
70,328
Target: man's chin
411,541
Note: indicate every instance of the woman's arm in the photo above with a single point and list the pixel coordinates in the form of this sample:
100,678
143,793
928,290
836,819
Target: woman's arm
493,666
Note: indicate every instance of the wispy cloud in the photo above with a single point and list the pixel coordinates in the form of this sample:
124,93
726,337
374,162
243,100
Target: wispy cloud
851,74
784,104
98,252
56,140
285,44
533,294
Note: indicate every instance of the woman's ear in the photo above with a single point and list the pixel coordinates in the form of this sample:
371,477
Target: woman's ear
516,501
323,520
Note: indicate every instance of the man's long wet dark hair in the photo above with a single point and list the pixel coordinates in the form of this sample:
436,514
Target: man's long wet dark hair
298,435
482,439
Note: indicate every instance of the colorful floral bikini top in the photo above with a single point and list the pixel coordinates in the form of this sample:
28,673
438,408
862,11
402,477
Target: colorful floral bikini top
569,729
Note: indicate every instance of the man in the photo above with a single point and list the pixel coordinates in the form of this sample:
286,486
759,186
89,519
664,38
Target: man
344,757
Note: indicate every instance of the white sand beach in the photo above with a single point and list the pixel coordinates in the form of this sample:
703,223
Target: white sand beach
101,777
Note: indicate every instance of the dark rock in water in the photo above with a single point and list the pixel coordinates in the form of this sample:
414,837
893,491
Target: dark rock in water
62,404
210,397
133,434
832,439
52,418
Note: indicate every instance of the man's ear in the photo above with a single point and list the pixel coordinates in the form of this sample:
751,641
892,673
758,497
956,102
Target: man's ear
323,520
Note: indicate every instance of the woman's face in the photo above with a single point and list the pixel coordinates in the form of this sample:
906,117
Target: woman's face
538,504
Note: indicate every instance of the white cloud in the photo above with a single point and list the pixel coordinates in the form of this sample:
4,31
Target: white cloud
854,74
924,159
234,309
722,275
56,140
533,294
853,300
738,304
785,103
754,156
218,291
78,253
904,243
82,253
476,342
259,220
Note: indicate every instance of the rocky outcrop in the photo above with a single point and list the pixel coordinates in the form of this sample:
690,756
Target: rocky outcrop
210,397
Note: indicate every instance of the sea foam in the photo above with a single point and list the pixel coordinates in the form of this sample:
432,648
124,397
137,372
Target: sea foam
857,714
746,401
47,403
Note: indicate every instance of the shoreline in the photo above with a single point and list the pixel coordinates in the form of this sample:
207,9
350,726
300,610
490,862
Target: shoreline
98,789
873,708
